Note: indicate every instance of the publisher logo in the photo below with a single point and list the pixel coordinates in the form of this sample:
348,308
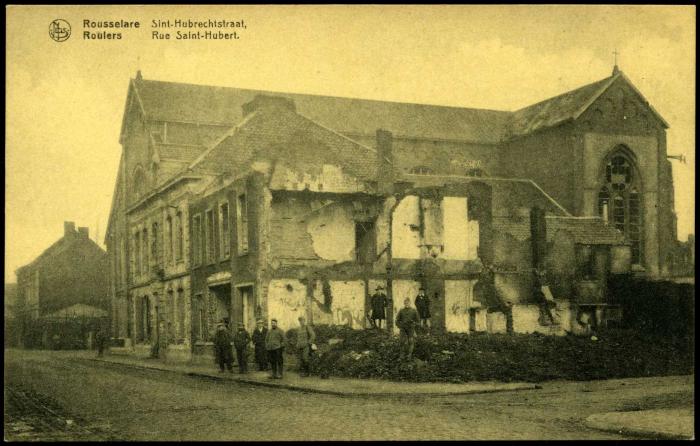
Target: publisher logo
59,30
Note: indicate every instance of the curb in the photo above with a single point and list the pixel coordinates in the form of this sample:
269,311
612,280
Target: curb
592,422
296,388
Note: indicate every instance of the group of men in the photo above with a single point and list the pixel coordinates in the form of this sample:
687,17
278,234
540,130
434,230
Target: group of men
269,347
407,318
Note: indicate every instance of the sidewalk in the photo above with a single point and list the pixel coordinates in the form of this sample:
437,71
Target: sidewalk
670,424
314,384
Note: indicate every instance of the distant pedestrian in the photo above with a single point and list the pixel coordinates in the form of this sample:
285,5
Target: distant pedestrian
259,335
407,320
101,341
274,343
423,307
305,338
241,340
379,303
222,348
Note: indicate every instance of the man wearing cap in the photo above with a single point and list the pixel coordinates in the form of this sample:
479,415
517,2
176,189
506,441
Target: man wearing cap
259,335
305,337
407,320
423,307
274,343
379,304
222,348
241,341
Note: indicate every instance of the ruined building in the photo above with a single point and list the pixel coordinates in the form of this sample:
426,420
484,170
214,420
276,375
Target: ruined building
236,204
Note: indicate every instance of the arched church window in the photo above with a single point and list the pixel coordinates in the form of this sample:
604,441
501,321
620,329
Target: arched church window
619,201
421,170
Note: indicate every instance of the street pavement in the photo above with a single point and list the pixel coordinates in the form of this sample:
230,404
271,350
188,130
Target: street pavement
111,401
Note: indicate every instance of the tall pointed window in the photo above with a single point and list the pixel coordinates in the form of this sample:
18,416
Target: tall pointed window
619,201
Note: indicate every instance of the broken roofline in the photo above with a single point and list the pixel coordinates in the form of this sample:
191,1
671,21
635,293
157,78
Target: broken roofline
486,179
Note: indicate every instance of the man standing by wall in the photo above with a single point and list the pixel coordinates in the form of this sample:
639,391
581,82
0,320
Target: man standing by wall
407,320
241,341
379,305
305,337
259,335
423,307
274,343
222,348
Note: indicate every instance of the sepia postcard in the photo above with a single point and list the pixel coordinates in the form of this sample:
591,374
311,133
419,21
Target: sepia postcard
349,222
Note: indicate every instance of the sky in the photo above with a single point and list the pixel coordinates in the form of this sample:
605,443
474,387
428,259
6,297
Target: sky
65,100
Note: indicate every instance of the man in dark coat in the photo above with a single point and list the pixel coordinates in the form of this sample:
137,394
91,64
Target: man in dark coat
379,304
274,343
259,335
222,348
407,320
423,307
241,340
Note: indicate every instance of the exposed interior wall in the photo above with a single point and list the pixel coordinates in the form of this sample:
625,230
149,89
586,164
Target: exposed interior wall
461,235
348,303
459,300
405,229
329,178
286,301
434,227
332,231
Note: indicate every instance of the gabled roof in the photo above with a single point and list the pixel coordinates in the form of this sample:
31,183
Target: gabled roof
170,101
567,106
280,134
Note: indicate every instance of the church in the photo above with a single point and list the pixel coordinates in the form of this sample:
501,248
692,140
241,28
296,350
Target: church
232,205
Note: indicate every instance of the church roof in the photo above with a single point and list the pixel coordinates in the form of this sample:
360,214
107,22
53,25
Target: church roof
177,102
558,109
203,104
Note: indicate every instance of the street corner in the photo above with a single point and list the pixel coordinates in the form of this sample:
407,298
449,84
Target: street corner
675,424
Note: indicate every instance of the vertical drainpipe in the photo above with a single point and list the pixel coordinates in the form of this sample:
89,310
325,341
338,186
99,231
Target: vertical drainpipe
385,185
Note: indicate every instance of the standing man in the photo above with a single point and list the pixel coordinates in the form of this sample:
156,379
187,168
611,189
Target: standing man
241,341
379,304
423,307
305,337
407,320
222,348
274,343
259,335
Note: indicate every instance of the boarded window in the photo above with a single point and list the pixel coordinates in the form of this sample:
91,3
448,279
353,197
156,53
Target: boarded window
210,235
224,231
365,242
179,236
196,239
242,223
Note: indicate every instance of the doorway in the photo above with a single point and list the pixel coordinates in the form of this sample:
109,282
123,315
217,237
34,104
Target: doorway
222,304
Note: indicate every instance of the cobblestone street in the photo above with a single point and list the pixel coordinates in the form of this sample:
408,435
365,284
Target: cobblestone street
108,401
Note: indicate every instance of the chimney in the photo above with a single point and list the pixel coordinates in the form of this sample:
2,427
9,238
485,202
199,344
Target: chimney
68,228
84,232
262,101
385,162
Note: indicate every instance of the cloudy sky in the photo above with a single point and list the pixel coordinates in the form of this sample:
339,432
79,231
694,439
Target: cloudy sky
65,100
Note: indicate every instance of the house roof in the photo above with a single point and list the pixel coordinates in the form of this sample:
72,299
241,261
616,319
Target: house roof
586,231
280,134
583,230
